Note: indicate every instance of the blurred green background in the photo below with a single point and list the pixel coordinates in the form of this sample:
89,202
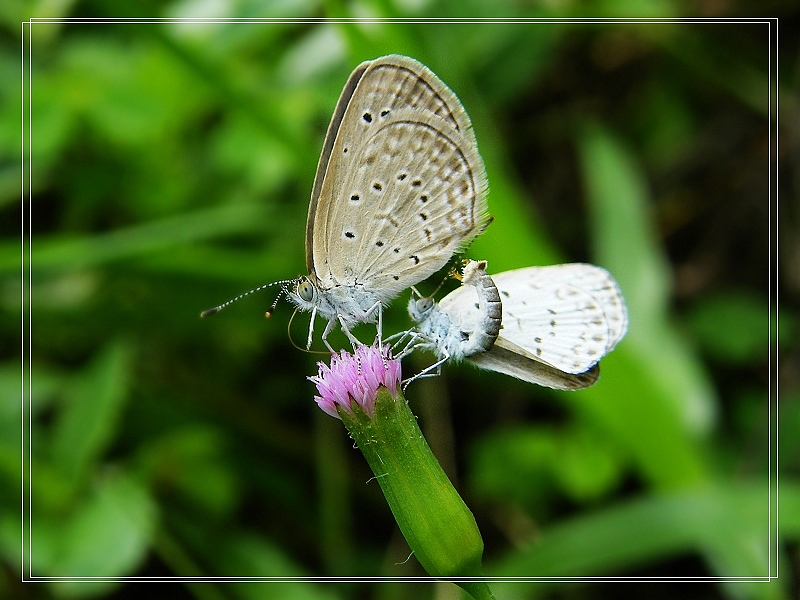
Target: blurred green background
171,169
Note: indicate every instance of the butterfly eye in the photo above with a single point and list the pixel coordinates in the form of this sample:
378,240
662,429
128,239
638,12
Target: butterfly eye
424,305
305,289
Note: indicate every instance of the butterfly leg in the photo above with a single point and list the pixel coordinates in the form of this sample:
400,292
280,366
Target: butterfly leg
367,316
428,372
414,341
346,330
328,329
379,334
311,328
401,337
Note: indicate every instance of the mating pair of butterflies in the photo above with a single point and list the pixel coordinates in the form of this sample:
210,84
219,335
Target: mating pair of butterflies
400,188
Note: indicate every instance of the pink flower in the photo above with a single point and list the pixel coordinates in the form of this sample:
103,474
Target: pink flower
356,377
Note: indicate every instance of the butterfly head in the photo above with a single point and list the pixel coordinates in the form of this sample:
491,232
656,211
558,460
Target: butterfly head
419,308
303,292
304,289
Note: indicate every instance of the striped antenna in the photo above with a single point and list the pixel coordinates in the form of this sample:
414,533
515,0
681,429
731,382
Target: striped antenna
283,292
216,309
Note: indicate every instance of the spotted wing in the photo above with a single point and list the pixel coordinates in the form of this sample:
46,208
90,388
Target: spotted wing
566,316
400,186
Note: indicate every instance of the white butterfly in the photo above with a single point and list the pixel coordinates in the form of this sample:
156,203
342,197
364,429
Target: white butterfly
400,187
557,323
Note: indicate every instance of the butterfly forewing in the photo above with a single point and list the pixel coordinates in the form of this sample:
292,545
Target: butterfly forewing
567,316
420,212
460,304
396,82
404,186
324,159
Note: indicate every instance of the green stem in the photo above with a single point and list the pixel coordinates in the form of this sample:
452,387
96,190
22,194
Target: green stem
434,520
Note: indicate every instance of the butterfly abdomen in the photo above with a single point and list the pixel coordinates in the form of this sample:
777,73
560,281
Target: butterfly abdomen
487,317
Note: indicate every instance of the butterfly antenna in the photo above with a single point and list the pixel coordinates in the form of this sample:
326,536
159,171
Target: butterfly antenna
282,292
216,309
451,273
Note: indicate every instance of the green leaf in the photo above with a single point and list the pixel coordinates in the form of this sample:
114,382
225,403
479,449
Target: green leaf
61,253
522,464
190,462
107,536
251,555
733,326
634,534
89,417
668,376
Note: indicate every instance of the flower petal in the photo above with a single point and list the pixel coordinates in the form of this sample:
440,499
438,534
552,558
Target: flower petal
355,378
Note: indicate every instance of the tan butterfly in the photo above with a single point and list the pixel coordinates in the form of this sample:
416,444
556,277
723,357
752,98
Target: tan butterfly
400,187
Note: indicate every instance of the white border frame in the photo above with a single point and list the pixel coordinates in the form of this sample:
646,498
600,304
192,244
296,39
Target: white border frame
26,321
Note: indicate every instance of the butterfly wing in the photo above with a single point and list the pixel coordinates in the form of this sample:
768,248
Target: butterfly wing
402,186
515,363
325,157
566,316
